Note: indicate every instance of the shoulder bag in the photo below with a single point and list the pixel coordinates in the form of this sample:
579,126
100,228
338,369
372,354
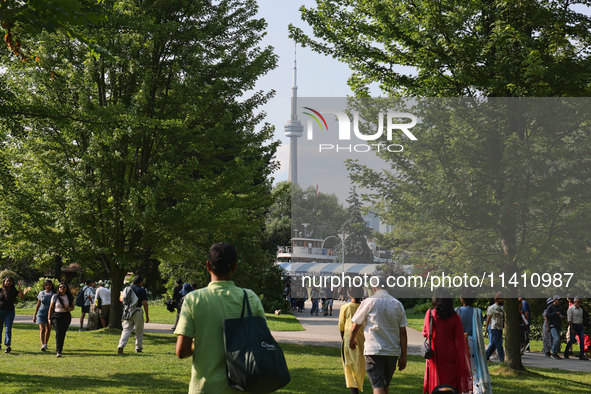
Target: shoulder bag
426,350
254,360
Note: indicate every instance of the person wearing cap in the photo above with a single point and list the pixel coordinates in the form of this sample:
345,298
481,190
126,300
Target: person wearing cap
200,327
555,317
384,322
102,300
136,321
575,323
547,340
495,319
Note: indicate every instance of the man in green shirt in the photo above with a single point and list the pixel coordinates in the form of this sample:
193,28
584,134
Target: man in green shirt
200,327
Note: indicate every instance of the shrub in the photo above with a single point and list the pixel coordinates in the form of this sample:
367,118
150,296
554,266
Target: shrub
38,286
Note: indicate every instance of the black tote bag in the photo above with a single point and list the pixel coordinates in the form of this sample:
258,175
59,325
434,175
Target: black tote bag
254,360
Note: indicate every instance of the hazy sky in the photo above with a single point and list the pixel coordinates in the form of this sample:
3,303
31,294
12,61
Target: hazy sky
318,76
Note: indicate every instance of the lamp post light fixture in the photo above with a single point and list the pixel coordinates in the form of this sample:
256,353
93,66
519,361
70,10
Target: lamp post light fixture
305,229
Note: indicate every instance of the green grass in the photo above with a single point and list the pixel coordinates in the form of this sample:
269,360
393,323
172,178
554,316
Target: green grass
285,322
159,314
90,364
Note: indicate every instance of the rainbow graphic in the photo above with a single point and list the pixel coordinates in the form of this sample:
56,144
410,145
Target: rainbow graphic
315,118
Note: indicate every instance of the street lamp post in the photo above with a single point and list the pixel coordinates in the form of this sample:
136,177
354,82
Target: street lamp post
305,229
343,237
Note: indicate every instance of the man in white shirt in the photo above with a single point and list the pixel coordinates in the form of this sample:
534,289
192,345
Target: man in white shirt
384,322
575,324
102,300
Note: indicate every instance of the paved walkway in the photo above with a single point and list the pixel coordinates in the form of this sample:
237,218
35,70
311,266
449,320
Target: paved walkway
323,331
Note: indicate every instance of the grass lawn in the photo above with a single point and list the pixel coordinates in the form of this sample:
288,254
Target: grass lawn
90,364
159,314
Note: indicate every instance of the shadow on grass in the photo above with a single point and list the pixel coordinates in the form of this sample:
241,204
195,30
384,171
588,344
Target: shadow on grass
546,381
149,382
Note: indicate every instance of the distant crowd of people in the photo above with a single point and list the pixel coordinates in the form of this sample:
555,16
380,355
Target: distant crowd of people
54,307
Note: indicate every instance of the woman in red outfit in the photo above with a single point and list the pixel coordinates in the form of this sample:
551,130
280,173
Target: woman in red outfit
450,363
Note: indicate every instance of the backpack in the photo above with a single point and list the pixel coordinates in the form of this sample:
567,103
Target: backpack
80,298
129,299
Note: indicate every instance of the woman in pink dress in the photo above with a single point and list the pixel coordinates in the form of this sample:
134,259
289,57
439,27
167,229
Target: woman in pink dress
450,363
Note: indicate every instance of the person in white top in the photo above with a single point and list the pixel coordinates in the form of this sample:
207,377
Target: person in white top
102,300
59,315
575,324
384,322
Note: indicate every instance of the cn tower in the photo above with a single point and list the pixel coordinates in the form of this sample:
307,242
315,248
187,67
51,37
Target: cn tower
293,128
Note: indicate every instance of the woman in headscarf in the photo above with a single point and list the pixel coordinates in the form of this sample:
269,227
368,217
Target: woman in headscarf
471,318
353,360
59,314
450,363
7,299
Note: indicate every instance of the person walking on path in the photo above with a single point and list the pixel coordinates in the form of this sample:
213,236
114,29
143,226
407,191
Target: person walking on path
102,300
547,340
62,304
176,298
526,310
41,315
450,363
471,318
353,361
136,320
7,300
575,324
315,296
495,319
329,299
200,328
384,323
555,317
88,299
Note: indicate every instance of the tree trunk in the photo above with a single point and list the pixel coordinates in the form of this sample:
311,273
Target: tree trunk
117,278
512,335
58,267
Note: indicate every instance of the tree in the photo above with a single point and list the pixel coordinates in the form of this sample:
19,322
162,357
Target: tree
278,219
475,49
356,249
323,212
155,155
32,17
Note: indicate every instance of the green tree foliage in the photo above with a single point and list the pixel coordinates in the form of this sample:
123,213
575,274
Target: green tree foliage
278,218
472,188
327,219
356,249
22,20
155,155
